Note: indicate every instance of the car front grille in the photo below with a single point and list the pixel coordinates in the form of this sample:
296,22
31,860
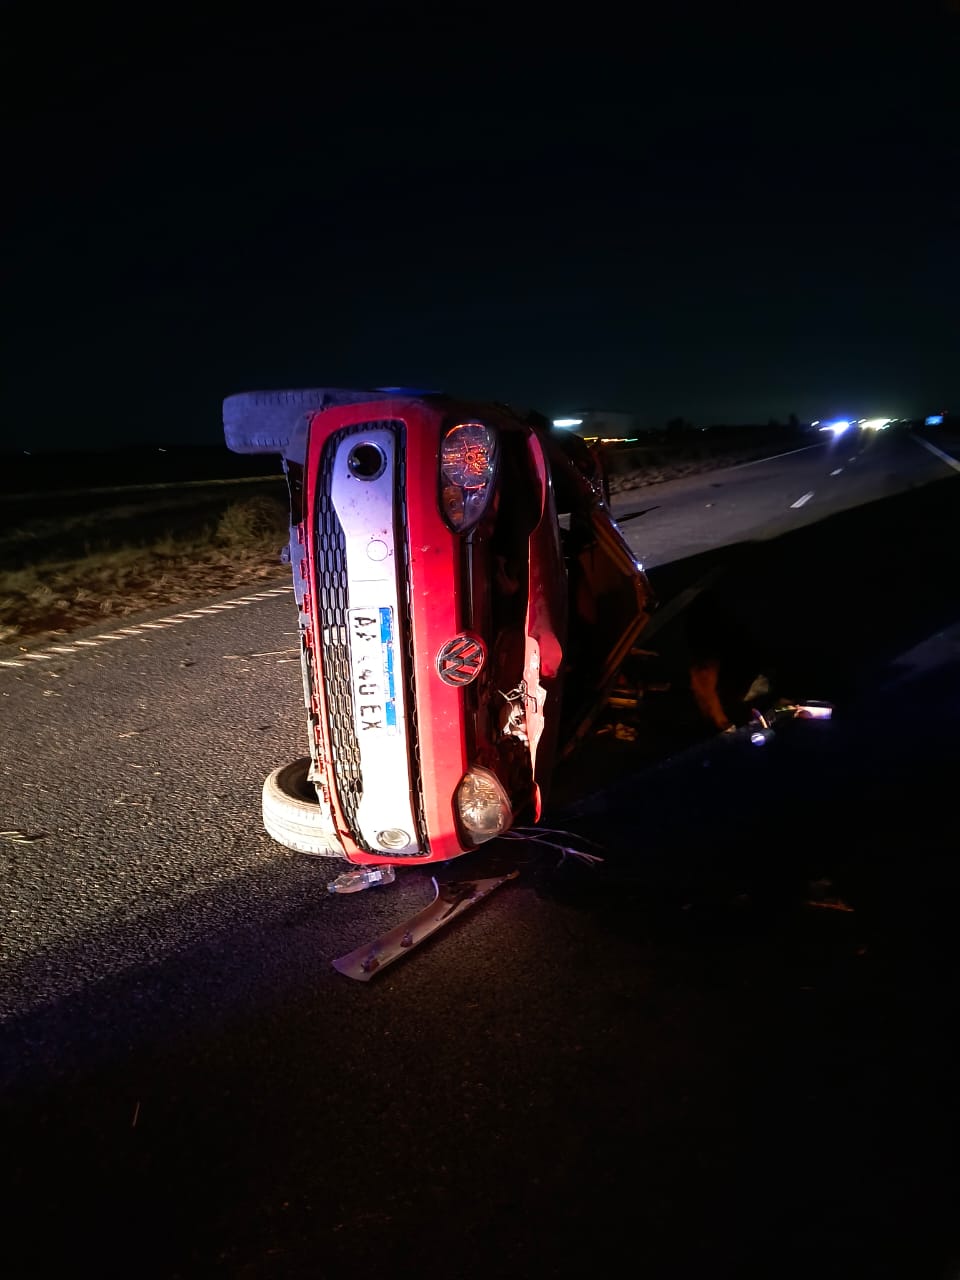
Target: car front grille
413,731
333,601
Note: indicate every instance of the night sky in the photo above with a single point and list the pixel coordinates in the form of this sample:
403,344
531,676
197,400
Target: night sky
724,218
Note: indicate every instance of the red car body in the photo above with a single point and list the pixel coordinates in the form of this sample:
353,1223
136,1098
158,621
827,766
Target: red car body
454,634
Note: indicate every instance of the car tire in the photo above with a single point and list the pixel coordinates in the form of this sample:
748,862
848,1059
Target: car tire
271,421
293,818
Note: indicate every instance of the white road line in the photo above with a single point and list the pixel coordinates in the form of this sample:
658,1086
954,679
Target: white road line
801,501
837,472
788,454
159,624
944,457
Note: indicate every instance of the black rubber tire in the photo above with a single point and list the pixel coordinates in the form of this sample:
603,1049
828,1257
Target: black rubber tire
270,421
292,814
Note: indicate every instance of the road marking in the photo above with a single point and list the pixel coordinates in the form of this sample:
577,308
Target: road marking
944,457
788,454
837,472
125,633
801,501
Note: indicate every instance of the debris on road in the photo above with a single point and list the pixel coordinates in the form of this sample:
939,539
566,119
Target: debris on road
814,711
450,901
763,723
759,687
538,836
361,878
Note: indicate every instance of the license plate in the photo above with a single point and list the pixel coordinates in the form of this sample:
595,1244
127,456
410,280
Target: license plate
374,672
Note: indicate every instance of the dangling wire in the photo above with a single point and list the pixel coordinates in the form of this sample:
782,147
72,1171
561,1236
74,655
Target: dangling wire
536,836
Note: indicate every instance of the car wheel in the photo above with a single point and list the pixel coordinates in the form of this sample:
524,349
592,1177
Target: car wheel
293,815
271,421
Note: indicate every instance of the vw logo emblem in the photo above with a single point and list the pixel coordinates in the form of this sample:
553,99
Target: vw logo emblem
460,660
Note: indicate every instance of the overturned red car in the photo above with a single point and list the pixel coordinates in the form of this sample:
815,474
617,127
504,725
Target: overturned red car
465,604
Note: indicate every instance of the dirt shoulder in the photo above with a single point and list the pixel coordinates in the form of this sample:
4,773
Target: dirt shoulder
73,597
48,598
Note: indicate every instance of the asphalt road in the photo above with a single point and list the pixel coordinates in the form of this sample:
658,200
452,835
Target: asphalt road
726,1051
765,499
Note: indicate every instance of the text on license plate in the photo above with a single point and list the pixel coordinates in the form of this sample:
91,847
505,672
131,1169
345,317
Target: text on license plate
374,671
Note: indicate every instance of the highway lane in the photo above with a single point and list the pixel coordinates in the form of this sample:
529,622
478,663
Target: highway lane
651,1059
763,500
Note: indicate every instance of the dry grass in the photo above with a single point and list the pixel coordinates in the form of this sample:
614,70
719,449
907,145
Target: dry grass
42,601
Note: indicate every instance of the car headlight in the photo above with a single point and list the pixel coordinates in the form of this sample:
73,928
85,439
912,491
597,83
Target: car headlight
468,464
483,806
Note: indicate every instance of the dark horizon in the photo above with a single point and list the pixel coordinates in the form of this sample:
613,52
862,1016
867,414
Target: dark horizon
722,223
161,444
